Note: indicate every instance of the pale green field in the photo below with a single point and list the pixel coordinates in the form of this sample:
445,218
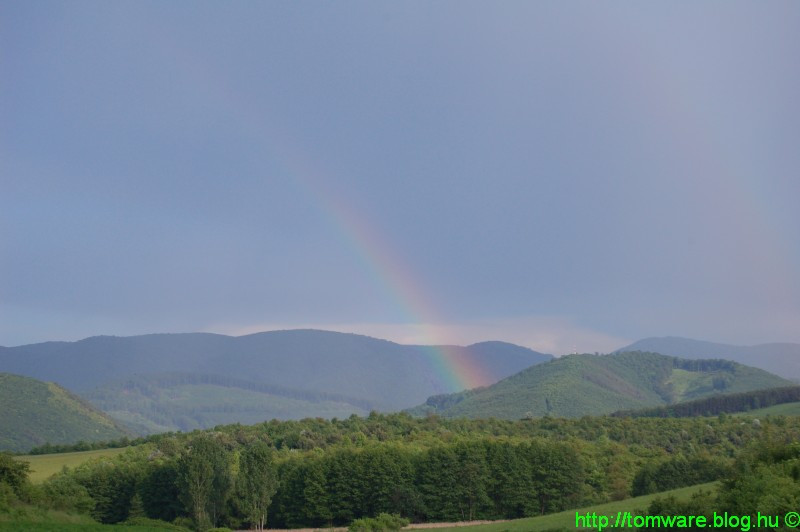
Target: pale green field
44,465
786,409
681,380
566,520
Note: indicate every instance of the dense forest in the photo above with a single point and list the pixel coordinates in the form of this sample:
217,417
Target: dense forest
719,404
315,472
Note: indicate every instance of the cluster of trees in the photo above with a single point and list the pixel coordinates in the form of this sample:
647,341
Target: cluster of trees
721,404
676,472
317,473
482,479
203,484
82,445
764,480
724,434
13,480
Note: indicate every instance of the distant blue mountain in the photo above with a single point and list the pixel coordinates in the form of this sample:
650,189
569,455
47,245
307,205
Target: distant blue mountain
779,358
375,373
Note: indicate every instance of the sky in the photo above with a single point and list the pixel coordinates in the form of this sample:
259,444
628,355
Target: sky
565,176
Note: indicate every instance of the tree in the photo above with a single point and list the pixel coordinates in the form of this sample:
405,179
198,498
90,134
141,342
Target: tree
257,482
204,480
437,480
111,483
14,473
509,485
159,492
317,499
556,474
472,478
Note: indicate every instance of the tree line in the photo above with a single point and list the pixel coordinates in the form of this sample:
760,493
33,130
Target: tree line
315,472
721,404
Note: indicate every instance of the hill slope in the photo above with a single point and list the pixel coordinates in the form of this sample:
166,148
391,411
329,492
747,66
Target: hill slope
368,373
579,385
35,412
779,358
164,402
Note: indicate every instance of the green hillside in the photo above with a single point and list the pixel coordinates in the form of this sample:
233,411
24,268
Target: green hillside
578,385
35,412
184,401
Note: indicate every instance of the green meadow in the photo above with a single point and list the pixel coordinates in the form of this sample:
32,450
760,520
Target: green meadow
785,409
566,520
45,465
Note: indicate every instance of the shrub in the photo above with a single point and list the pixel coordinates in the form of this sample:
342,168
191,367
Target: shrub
7,497
62,492
377,524
156,524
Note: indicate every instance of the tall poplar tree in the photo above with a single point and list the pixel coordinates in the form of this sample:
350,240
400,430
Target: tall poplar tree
257,482
204,480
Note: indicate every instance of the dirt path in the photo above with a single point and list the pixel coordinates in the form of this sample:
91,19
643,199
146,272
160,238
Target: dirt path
415,526
446,525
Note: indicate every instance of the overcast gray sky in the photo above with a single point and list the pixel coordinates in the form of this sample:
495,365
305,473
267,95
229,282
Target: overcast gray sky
563,175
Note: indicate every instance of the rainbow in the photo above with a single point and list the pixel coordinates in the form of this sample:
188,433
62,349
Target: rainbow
389,272
393,276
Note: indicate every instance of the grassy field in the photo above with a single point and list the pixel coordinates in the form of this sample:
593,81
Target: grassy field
566,520
44,465
58,526
61,527
786,409
30,518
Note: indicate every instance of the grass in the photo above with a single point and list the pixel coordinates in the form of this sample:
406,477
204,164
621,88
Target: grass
34,516
785,409
60,527
30,518
45,465
566,520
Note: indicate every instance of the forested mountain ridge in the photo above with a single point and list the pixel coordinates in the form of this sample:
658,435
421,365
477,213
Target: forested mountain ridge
33,412
284,374
578,385
174,401
779,358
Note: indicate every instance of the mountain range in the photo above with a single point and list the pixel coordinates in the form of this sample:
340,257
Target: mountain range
184,381
166,382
